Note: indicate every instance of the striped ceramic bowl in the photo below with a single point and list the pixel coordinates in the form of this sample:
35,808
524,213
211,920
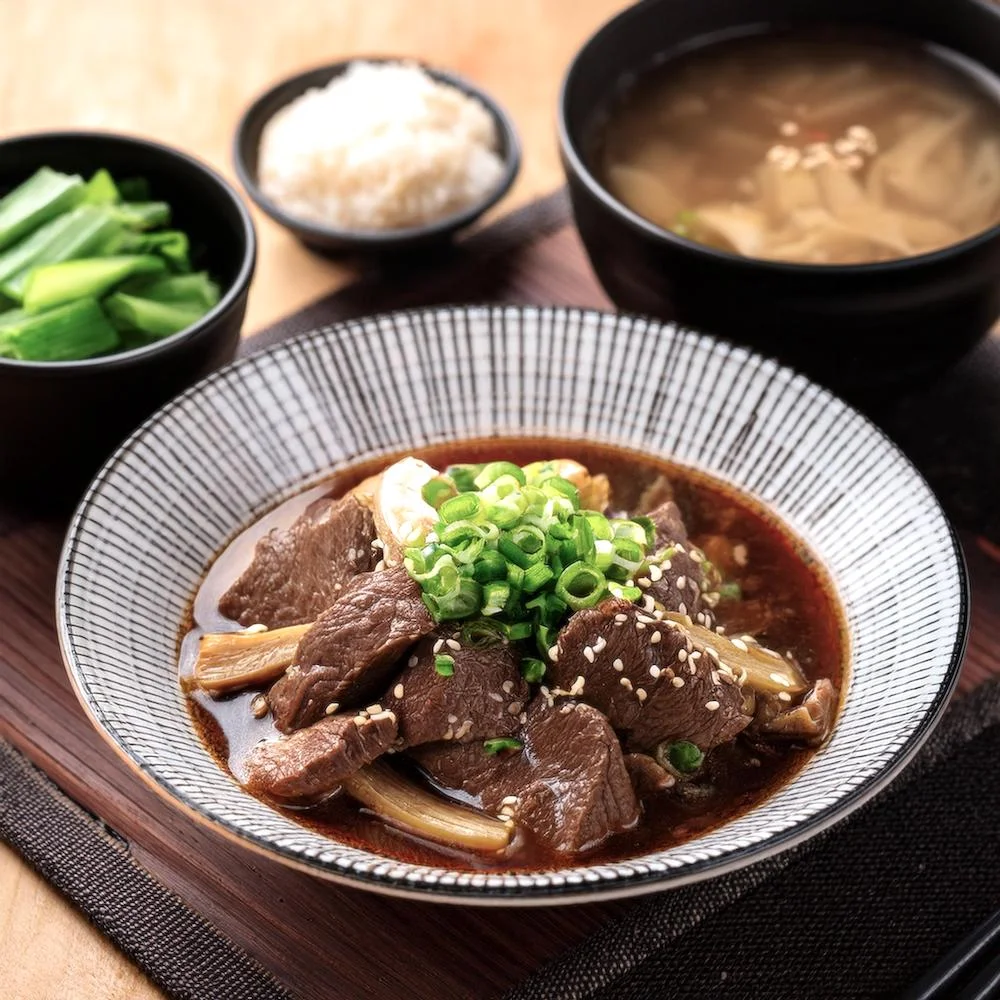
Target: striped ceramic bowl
254,433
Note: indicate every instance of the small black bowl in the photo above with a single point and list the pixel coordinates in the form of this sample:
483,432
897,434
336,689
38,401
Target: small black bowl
330,240
865,330
59,421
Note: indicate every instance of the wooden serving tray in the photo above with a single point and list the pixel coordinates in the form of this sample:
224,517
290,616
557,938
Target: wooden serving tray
322,940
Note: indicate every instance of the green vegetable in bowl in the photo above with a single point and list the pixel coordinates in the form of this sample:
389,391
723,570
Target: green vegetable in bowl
85,268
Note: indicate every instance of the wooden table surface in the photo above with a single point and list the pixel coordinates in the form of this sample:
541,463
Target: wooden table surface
181,72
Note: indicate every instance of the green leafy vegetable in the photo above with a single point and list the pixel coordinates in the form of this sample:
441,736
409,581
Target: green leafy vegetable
54,284
67,333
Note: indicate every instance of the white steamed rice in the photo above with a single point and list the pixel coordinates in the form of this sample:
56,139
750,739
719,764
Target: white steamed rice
382,146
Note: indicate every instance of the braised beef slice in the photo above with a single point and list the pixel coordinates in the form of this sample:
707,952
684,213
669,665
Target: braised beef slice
352,649
647,777
482,698
808,723
680,582
568,785
651,679
298,572
312,762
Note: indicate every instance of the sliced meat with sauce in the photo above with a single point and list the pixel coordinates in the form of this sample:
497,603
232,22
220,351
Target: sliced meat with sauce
650,677
483,697
568,785
352,649
677,580
313,761
808,723
298,572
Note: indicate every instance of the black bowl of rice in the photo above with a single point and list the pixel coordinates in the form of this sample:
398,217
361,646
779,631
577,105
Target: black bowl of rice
370,156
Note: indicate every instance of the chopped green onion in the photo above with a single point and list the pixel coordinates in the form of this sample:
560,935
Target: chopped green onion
495,597
444,664
535,577
731,591
435,491
41,197
490,565
502,743
494,470
464,507
532,670
196,289
480,633
463,476
518,631
623,592
142,215
170,244
581,586
685,756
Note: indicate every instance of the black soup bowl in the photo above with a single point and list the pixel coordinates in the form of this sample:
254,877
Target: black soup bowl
59,421
867,330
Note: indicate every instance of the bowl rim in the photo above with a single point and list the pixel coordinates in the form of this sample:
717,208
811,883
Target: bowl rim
552,894
236,289
297,85
575,164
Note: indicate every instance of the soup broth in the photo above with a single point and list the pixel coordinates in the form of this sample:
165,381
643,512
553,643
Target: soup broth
785,598
808,149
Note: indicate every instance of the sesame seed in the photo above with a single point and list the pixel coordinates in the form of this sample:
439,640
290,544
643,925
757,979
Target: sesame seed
682,655
509,800
377,543
374,709
678,682
566,709
508,686
588,653
453,719
259,707
577,686
620,618
669,672
713,652
654,671
523,718
412,661
692,668
625,683
554,653
360,720
495,696
644,582
379,566
449,734
453,644
694,655
600,643
639,626
665,564
255,629
464,729
655,573
780,679
514,707
648,603
681,581
784,696
682,608
712,706
655,638
741,645
640,693
720,629
646,619
438,646
618,665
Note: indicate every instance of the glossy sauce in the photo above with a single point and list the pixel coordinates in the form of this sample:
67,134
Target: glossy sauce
788,603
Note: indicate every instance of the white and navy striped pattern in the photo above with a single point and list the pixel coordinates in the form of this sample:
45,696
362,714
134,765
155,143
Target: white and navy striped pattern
256,432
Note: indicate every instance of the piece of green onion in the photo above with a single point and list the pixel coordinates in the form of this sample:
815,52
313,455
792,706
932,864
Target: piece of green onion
463,476
490,566
54,284
581,586
500,744
495,597
532,670
444,664
71,332
535,577
43,196
464,507
518,631
102,190
158,319
480,633
435,491
731,591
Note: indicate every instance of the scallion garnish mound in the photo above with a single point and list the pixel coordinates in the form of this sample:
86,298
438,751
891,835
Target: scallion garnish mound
513,547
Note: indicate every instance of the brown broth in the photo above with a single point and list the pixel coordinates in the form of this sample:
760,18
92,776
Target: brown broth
808,148
784,587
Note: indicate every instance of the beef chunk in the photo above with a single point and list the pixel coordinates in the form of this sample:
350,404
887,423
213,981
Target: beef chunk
482,698
568,785
351,651
808,723
298,572
650,677
678,581
312,762
648,778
